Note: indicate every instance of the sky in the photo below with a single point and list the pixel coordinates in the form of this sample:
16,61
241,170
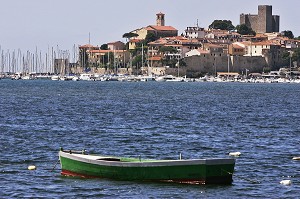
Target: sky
32,24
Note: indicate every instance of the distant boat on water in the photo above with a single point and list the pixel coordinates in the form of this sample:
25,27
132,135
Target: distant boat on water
190,171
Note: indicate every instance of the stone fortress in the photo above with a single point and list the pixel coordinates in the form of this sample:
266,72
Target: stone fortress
263,22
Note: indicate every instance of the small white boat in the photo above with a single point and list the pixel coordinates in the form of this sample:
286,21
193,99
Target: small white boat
169,78
147,78
55,77
87,77
75,78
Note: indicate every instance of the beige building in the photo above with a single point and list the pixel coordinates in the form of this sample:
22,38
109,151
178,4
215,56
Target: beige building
133,43
119,57
236,49
196,52
180,43
117,45
159,30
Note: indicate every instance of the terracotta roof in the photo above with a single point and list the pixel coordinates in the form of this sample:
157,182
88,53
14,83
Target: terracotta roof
190,41
237,46
265,43
214,46
244,43
161,28
281,38
107,51
202,51
156,58
135,40
180,38
173,45
99,51
86,46
114,42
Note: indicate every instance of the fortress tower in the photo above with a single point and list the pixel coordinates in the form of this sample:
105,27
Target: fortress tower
263,22
160,19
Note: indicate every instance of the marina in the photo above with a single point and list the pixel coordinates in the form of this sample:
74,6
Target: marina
167,78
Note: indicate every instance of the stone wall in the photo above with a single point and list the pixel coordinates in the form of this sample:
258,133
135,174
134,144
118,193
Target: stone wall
263,22
219,63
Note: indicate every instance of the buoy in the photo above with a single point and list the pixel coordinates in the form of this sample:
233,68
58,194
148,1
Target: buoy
286,182
31,167
296,158
235,154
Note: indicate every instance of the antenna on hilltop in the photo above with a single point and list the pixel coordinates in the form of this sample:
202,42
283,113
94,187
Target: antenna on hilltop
89,38
197,23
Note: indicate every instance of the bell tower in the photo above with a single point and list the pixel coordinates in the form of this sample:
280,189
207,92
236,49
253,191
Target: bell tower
160,19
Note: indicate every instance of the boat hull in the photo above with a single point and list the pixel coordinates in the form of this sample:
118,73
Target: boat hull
202,171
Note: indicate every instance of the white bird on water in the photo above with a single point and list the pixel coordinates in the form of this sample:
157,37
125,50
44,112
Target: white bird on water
286,182
236,154
31,167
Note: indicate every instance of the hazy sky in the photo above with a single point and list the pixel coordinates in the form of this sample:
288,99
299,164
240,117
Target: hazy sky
26,24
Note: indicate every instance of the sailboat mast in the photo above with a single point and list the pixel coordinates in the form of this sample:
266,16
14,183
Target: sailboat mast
142,55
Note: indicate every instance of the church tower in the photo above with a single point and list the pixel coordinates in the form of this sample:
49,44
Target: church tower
160,19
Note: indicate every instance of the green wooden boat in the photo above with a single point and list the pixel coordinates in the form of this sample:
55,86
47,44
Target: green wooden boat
193,171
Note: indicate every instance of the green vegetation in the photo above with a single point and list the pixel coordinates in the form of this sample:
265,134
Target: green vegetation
150,37
137,61
288,33
222,25
104,47
245,30
295,55
166,49
167,60
297,38
129,35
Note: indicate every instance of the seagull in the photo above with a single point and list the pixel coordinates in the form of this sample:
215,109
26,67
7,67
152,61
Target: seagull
235,154
286,182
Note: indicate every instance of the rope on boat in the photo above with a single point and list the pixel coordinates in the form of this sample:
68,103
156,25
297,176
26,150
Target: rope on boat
55,165
252,181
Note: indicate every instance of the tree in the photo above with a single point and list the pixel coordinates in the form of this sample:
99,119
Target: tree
288,33
109,60
129,35
137,61
243,29
286,55
167,60
294,55
104,47
165,49
150,37
222,25
297,38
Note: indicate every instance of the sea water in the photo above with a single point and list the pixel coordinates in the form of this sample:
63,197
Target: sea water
156,120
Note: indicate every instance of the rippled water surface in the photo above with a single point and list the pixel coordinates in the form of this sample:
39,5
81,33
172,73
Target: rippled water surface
154,120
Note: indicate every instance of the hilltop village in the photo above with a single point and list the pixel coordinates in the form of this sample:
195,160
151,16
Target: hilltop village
255,47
